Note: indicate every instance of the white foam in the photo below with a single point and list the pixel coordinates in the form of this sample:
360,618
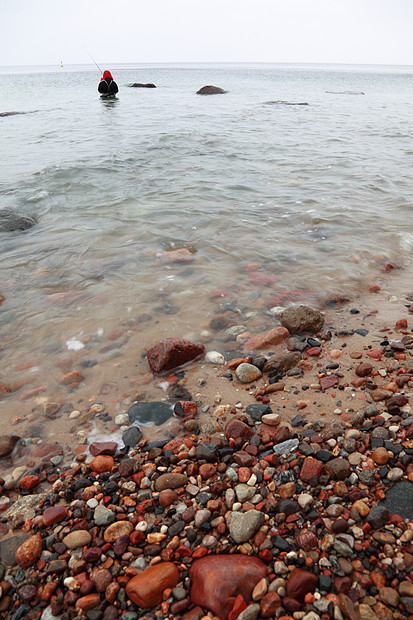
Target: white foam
73,344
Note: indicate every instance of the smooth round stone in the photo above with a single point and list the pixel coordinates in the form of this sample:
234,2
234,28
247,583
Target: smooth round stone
246,373
102,464
213,357
77,539
380,456
116,530
406,588
395,474
272,419
170,481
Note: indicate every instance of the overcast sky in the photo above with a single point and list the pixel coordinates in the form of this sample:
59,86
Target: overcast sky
35,32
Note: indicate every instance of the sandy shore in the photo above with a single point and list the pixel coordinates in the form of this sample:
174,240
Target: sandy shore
293,504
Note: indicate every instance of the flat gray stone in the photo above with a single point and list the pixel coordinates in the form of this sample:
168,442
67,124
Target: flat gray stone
244,525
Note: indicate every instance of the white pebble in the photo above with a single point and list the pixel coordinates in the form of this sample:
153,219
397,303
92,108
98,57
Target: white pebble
142,526
213,357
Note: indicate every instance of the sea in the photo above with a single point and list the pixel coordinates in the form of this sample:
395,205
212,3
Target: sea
294,185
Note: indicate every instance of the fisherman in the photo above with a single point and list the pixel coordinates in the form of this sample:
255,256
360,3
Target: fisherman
107,85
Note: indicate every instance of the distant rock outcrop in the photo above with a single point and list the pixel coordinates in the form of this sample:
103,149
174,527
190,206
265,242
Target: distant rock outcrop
286,103
211,90
139,85
12,219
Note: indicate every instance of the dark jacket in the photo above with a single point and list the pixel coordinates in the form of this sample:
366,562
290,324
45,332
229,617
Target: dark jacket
108,87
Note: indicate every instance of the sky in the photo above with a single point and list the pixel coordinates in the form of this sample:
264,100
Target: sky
48,32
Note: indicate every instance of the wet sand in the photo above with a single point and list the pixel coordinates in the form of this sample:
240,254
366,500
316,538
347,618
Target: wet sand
64,414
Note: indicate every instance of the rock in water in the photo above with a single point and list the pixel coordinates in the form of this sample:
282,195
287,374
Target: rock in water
211,90
12,219
139,85
155,412
171,353
301,318
146,589
218,579
7,444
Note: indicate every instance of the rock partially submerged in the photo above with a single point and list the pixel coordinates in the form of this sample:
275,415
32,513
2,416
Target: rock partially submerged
211,90
139,85
7,444
301,318
11,219
171,353
286,103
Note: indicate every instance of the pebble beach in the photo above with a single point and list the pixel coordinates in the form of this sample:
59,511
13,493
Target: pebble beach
262,471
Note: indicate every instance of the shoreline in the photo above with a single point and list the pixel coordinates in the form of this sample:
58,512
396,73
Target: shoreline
314,519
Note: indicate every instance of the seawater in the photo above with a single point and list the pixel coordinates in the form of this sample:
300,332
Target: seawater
275,201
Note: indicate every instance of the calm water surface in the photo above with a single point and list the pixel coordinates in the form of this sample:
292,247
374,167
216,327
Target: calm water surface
317,196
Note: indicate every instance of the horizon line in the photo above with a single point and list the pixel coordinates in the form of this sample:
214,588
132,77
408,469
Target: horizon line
215,62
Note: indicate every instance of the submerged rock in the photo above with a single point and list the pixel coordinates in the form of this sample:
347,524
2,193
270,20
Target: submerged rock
150,413
211,90
11,219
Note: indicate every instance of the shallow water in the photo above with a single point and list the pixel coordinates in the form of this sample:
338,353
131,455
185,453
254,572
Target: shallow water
318,196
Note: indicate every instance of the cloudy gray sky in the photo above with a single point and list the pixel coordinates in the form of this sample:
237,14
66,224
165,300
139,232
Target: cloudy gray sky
142,31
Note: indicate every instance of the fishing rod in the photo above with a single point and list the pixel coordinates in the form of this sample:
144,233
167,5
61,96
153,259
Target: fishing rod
94,61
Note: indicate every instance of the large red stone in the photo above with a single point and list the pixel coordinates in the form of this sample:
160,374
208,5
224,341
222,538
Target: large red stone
172,353
103,447
301,582
311,467
217,580
146,589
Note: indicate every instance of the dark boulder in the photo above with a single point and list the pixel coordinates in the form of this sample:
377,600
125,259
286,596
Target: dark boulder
11,219
139,85
211,90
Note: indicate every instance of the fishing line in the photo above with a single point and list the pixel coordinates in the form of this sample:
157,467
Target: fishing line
94,60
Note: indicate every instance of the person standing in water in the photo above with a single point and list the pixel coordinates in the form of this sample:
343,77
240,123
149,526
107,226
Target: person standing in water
107,85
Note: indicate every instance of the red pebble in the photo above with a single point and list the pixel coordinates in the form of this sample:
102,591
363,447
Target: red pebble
376,354
29,482
54,514
313,351
401,324
238,606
